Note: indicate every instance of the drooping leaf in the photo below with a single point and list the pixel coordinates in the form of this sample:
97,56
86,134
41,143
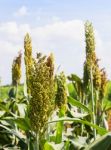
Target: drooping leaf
100,130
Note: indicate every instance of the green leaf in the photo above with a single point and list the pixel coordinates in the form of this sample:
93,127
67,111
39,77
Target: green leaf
103,143
74,77
67,145
59,129
74,102
52,146
23,123
77,83
52,138
3,107
100,130
48,146
71,90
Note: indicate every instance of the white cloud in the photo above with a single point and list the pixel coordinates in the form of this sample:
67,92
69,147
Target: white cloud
65,40
21,11
55,19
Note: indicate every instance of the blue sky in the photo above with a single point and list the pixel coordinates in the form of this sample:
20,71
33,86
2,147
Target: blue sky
55,26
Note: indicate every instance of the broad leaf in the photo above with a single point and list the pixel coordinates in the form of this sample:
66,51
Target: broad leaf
103,143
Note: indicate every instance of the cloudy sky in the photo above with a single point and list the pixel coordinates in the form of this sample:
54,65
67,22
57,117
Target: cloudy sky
55,26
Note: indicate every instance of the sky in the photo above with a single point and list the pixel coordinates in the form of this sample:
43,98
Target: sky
55,26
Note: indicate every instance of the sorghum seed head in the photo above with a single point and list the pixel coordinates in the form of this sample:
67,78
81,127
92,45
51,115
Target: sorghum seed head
16,69
28,58
61,93
42,94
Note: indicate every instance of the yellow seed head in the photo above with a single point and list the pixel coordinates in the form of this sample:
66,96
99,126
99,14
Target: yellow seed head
41,85
91,60
96,77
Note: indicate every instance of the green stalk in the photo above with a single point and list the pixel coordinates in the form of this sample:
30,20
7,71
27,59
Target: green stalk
28,140
98,117
16,90
48,131
37,140
36,146
16,96
25,87
93,105
59,128
81,111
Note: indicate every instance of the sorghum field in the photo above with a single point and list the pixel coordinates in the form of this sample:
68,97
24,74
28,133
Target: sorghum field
53,111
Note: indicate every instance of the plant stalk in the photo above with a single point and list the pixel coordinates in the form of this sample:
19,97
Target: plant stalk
17,91
93,104
37,141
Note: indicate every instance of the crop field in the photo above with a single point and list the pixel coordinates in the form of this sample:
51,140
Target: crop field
53,111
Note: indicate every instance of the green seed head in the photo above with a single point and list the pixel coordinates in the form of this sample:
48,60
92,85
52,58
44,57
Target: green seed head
61,93
90,40
28,46
28,58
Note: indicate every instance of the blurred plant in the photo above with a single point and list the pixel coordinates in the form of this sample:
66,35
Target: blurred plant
16,74
16,70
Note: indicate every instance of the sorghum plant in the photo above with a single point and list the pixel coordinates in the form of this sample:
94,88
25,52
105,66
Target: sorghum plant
91,78
94,79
